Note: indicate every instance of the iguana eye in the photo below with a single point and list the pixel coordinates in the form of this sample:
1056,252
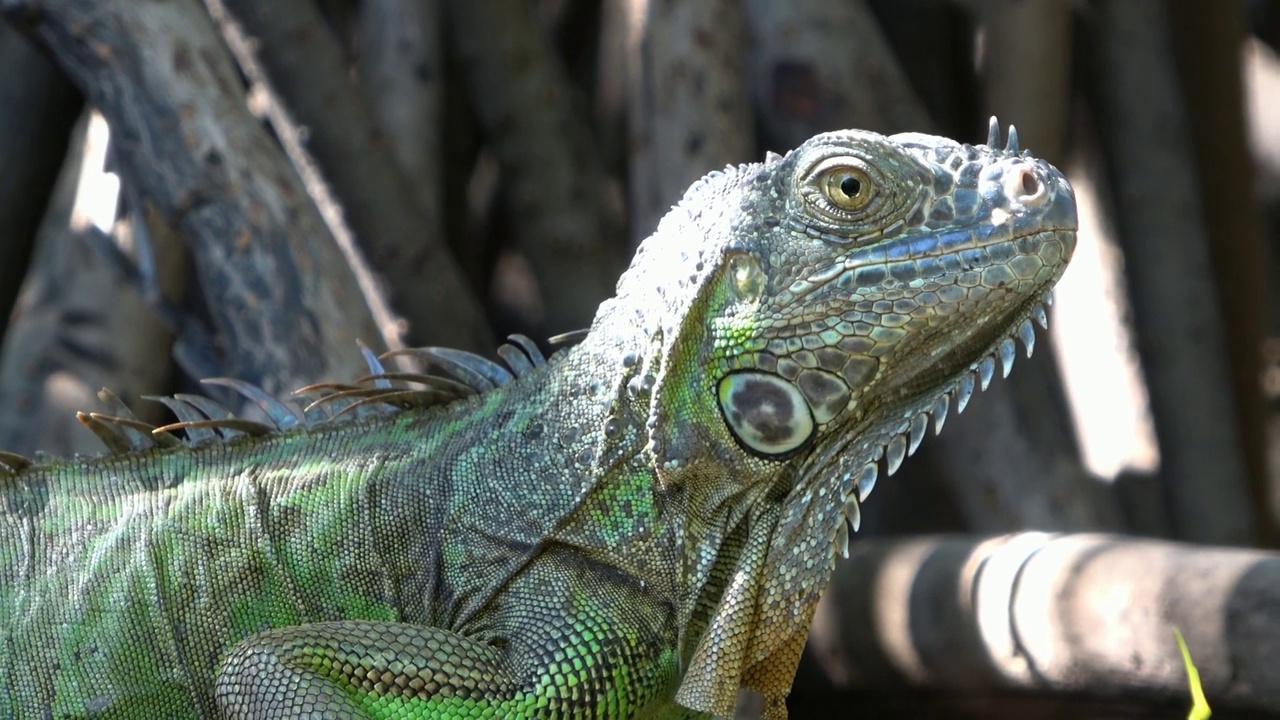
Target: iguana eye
848,188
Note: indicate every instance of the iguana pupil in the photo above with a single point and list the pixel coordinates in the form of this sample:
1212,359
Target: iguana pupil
767,414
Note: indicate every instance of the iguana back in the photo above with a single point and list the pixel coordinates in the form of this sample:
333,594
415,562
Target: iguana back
119,597
126,580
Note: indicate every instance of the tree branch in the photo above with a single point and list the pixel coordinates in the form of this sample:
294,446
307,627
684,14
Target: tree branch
690,107
305,66
1207,42
41,107
1080,615
1147,151
551,172
282,297
82,325
820,66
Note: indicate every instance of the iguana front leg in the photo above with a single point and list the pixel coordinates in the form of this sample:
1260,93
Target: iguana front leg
368,669
540,662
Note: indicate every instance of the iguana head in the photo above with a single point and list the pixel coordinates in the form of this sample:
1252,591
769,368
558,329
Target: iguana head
822,306
936,305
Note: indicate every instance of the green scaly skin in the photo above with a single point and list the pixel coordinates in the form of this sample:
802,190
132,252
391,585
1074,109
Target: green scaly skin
640,528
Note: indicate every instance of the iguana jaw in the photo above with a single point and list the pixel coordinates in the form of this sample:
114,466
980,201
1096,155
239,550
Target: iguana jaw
893,420
947,361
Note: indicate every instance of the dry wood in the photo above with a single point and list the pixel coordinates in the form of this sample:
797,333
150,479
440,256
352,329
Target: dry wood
306,67
690,109
401,65
1207,42
610,95
1088,616
80,327
40,105
1146,142
1011,459
819,65
1027,70
550,176
283,300
936,44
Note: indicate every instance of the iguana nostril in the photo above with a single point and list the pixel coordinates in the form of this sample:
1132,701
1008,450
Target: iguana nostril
1030,184
1024,185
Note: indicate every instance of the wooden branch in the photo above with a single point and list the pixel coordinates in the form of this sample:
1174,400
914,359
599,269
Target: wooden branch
690,109
1027,71
610,93
1207,42
82,327
1074,615
820,65
818,702
401,66
1144,134
305,66
1012,461
551,175
283,300
935,44
41,106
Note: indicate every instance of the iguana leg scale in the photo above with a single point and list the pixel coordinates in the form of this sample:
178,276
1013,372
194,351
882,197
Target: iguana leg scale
361,669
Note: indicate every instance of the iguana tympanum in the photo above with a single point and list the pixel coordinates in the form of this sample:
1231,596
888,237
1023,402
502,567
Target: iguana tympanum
640,526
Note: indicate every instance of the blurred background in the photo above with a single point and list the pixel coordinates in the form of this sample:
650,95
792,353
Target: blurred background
208,188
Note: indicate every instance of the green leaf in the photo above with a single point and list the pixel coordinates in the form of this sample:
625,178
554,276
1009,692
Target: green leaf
1199,706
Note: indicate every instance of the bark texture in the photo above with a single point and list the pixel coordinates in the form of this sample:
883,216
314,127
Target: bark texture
1084,616
1177,319
690,109
550,173
1207,45
81,324
820,65
305,65
42,105
268,267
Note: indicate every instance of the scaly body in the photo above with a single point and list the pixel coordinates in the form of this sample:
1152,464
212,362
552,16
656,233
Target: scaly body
638,528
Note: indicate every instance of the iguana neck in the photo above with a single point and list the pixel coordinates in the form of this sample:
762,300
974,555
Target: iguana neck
648,525
725,503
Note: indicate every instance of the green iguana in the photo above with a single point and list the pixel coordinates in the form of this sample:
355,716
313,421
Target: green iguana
640,526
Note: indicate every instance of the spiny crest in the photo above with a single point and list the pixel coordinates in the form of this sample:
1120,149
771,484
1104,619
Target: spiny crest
12,462
450,375
905,439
